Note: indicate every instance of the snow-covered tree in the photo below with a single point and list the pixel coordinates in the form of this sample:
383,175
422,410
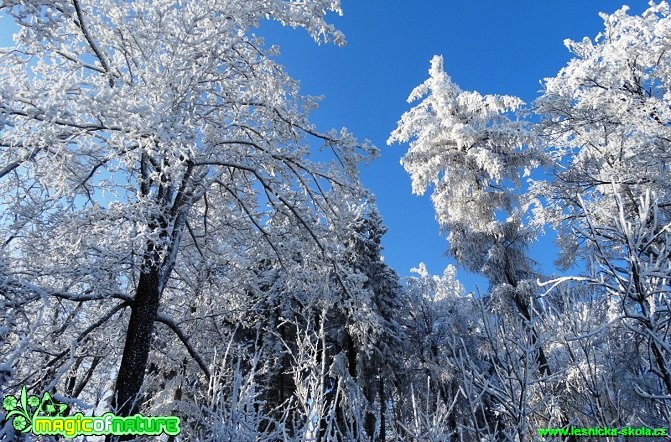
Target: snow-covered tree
436,311
374,337
147,148
474,155
606,118
466,147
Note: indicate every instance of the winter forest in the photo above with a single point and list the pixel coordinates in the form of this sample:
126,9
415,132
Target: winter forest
179,238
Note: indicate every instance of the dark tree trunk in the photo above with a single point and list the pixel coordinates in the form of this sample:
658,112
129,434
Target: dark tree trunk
383,410
543,366
351,356
126,398
351,353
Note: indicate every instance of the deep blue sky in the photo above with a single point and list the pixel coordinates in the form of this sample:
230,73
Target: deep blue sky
493,46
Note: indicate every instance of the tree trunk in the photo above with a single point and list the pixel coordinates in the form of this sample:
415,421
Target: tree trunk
383,410
126,398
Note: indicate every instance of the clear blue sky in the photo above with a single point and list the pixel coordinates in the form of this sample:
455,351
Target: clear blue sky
493,46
